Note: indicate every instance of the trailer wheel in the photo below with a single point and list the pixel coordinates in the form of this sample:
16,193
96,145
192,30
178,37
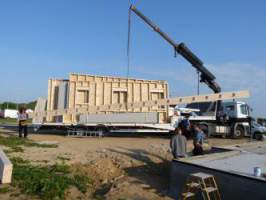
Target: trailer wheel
239,132
103,129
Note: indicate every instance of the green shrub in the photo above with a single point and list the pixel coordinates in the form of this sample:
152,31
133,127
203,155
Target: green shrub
46,182
81,182
4,190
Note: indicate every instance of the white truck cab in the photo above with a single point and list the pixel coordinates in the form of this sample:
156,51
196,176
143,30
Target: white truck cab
234,119
236,109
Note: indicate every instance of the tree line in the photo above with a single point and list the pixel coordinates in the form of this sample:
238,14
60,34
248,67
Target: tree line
12,105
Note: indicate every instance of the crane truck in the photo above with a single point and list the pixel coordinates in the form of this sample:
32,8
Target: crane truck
218,118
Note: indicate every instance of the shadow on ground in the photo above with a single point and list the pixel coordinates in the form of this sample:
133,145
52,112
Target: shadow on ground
154,175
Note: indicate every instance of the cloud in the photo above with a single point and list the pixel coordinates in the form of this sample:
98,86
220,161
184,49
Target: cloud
231,76
241,76
237,76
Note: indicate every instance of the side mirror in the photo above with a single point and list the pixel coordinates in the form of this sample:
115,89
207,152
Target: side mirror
249,108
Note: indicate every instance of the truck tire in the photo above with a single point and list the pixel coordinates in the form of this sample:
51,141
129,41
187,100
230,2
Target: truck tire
239,132
258,136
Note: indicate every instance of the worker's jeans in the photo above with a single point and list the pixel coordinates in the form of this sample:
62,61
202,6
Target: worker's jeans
198,150
23,128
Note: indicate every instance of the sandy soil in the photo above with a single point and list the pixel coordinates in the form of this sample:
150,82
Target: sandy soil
121,167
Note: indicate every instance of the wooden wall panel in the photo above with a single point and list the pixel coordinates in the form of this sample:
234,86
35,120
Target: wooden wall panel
99,94
108,90
107,93
52,98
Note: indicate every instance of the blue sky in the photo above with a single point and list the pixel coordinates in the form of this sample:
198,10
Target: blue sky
52,38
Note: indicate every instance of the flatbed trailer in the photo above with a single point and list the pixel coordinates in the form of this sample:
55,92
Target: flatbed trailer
105,129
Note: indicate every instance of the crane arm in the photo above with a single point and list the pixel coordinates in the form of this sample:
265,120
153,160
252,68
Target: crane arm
206,76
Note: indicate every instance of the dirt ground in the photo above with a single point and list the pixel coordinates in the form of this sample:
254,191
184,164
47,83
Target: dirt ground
134,168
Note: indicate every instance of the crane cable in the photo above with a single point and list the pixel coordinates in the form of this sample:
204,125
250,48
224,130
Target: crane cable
198,82
198,86
128,41
128,49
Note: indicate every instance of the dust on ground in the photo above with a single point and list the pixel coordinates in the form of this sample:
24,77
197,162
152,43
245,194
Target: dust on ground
120,167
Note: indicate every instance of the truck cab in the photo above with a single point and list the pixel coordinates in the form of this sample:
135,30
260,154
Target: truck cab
237,115
235,109
231,120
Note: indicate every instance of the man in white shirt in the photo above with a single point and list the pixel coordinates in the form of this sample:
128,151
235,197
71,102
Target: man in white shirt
22,122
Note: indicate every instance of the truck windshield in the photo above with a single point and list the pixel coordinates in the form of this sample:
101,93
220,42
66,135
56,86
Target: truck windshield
204,107
230,108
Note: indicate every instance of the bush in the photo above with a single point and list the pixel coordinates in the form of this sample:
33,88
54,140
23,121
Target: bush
46,182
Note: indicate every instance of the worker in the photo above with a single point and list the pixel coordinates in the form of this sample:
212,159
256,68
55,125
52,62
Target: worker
198,141
185,126
22,122
178,144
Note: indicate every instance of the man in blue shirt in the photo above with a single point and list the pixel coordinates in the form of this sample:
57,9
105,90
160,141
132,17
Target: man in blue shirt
185,125
198,141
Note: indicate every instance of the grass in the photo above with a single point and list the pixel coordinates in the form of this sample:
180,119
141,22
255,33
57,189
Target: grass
10,121
63,158
4,190
15,144
14,149
46,182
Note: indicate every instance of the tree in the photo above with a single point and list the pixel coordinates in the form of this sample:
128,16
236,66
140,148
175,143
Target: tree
12,105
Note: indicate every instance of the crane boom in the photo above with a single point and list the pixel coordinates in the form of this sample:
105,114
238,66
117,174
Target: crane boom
206,76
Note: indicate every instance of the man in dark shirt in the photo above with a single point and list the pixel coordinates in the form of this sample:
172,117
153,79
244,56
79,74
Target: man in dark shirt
185,126
178,144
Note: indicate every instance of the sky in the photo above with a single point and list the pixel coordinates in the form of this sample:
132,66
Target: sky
52,38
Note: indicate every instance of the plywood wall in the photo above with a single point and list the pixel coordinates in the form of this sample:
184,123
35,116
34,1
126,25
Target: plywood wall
89,90
53,95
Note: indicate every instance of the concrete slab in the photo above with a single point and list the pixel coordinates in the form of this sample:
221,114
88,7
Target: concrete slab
6,168
239,159
240,163
233,170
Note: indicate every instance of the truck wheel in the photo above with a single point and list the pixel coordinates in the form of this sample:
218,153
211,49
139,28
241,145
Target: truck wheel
239,132
257,136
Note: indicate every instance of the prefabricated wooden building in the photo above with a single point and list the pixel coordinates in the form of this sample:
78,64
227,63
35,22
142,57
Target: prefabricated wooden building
82,91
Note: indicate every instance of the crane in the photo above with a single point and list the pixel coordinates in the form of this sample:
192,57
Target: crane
205,75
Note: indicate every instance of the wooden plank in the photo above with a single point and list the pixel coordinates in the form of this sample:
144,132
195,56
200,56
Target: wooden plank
184,100
39,111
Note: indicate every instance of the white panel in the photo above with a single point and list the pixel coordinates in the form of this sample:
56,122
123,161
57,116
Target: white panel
144,117
6,168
